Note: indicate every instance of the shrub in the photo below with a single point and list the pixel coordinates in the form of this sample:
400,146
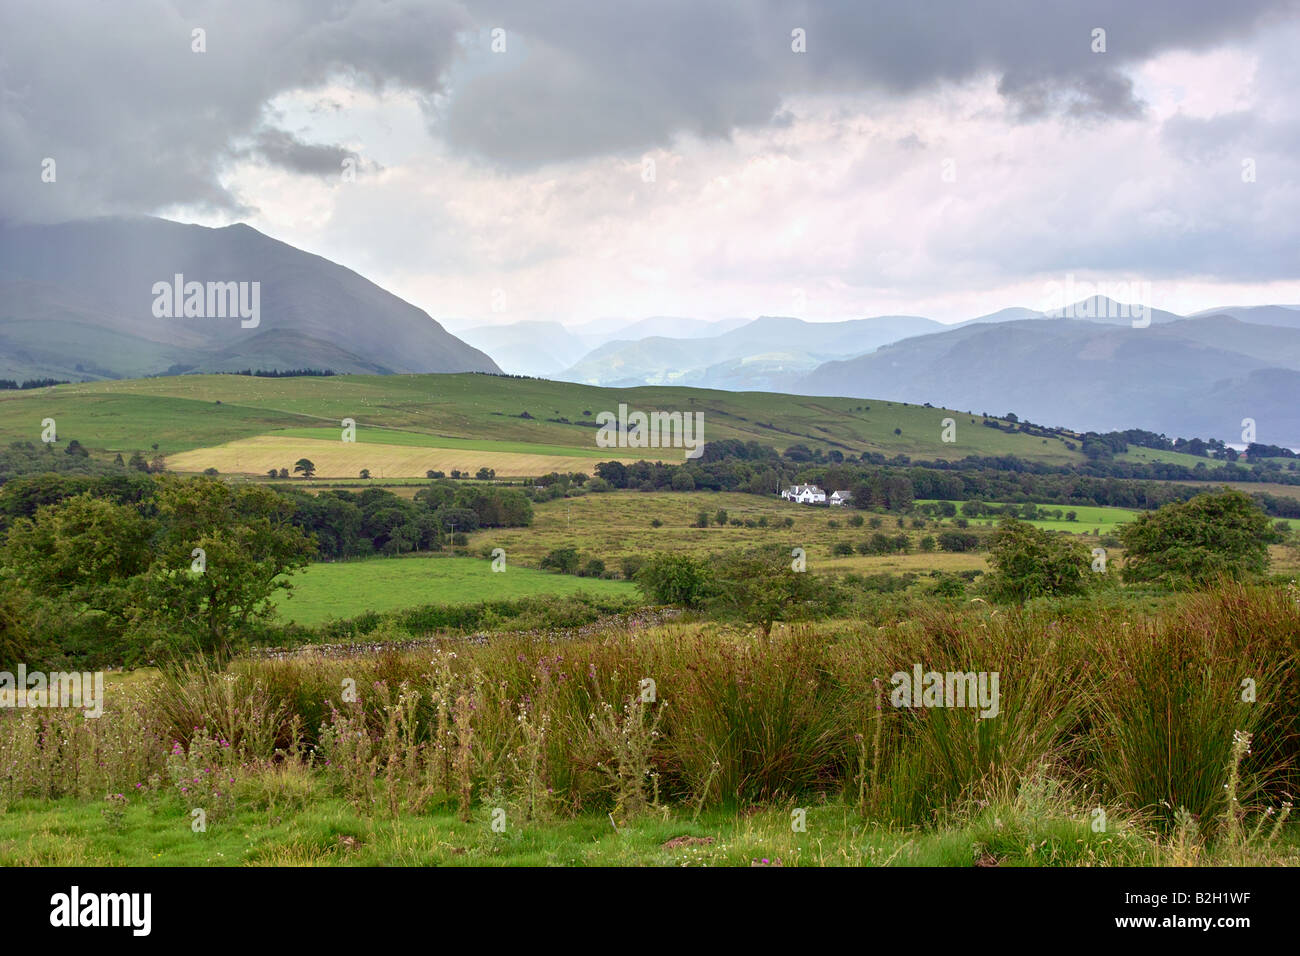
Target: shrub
958,541
593,568
1029,562
563,560
675,579
1188,543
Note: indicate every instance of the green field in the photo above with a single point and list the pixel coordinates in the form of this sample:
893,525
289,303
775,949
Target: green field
346,589
1090,518
184,413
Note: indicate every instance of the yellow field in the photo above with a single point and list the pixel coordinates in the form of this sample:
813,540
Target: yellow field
336,459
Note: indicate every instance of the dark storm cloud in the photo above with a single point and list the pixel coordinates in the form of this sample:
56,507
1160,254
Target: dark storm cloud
136,121
583,78
283,149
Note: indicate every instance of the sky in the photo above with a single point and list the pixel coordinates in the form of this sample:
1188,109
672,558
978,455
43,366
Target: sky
494,162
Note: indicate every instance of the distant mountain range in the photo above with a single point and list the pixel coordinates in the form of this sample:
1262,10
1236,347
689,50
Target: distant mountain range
1184,377
766,354
90,299
108,298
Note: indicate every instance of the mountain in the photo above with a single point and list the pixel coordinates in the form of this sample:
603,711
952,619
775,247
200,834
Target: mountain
1185,378
600,331
1287,316
541,349
82,300
547,349
765,354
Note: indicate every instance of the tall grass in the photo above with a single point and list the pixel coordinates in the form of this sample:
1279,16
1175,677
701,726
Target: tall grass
1135,707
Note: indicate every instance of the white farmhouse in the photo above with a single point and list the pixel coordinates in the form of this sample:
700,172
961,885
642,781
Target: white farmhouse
805,494
841,497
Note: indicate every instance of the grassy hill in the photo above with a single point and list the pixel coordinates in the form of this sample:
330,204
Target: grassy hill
244,424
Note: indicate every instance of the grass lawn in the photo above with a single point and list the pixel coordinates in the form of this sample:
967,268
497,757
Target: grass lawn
344,589
325,831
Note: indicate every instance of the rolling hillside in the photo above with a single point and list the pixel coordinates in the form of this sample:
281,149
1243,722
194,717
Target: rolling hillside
239,423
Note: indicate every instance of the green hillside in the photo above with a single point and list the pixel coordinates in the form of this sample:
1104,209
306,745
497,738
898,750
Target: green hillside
185,413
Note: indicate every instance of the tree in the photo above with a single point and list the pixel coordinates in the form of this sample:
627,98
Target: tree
249,548
1029,562
593,568
305,466
563,560
83,549
675,579
958,541
365,473
1187,544
702,519
760,588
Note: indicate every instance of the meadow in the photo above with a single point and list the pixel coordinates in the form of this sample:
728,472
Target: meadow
191,412
347,589
1089,519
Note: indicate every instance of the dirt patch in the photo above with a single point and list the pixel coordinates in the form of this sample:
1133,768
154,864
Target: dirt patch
681,841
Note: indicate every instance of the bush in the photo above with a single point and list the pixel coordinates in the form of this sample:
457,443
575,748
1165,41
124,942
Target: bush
675,579
1190,543
630,565
1029,562
563,560
958,541
594,568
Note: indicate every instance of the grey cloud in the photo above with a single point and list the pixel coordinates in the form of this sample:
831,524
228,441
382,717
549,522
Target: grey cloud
137,122
283,149
581,79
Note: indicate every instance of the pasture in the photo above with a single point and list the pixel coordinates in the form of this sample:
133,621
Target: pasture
188,412
346,589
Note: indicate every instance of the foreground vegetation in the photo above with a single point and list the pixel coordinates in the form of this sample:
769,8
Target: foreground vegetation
1137,720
